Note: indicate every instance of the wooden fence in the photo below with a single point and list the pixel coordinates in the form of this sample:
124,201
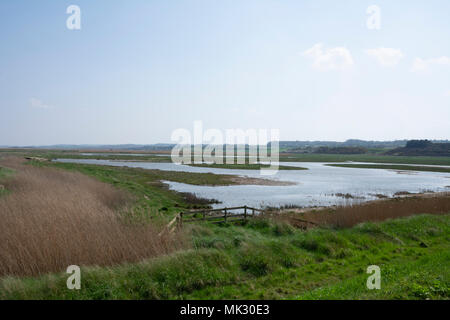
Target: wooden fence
222,215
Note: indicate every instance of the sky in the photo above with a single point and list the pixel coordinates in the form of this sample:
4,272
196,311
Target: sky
137,70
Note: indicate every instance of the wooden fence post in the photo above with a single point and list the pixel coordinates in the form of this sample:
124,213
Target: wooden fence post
180,220
225,216
245,213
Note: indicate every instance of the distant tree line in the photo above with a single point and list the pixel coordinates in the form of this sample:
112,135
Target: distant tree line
298,145
418,144
422,148
341,150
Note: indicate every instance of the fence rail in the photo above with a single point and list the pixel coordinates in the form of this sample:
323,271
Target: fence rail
213,215
221,215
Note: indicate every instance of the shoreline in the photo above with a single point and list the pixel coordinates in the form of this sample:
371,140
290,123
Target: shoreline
423,195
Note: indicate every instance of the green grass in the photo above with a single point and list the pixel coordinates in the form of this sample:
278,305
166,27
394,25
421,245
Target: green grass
423,278
393,167
245,166
4,173
263,260
284,157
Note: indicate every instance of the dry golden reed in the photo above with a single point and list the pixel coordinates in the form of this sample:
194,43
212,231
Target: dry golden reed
375,211
52,218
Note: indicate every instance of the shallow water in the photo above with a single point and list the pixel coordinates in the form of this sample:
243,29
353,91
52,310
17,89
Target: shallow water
105,154
317,186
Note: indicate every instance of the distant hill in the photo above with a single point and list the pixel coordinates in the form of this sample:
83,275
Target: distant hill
351,146
292,145
341,150
336,146
422,148
135,147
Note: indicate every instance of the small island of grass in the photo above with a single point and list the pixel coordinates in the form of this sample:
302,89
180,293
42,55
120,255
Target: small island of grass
246,166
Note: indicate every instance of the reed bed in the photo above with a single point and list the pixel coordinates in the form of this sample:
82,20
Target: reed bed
52,218
379,210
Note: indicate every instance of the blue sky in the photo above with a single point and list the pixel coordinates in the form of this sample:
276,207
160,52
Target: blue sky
137,70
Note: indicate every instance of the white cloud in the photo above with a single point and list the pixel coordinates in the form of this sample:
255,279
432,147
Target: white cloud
387,57
420,65
338,58
36,103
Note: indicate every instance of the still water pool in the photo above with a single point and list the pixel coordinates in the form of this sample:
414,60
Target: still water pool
318,186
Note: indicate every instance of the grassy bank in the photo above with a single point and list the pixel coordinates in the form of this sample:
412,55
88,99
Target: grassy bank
427,277
393,167
286,157
266,259
246,166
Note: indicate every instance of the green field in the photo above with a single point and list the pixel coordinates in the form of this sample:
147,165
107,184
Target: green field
266,260
4,173
393,167
285,157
